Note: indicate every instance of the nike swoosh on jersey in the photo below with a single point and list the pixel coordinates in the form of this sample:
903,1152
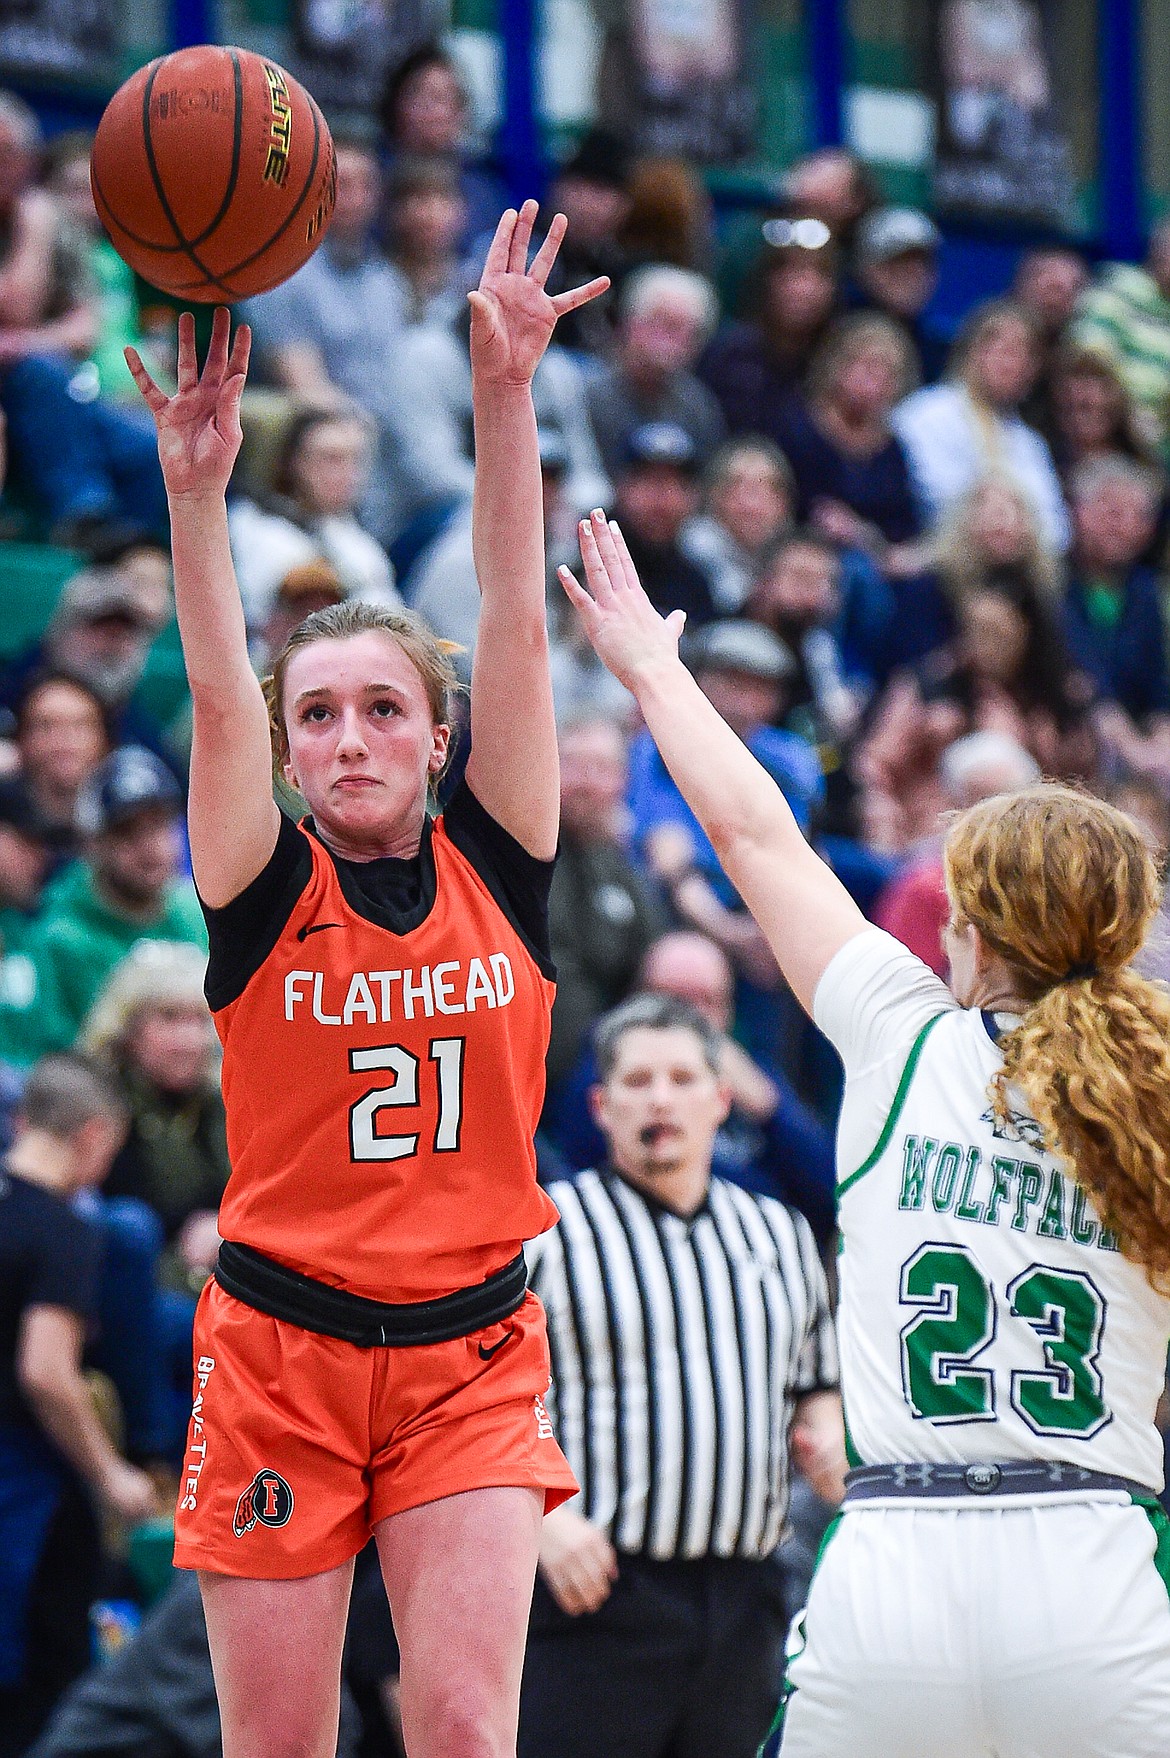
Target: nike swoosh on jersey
316,928
485,1354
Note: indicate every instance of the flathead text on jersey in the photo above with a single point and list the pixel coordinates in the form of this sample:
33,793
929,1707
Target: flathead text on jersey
420,991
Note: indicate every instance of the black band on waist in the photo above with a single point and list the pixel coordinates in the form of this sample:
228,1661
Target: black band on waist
1010,1477
271,1288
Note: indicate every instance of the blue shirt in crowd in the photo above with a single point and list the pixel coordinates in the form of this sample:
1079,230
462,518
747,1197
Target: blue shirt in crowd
654,799
878,487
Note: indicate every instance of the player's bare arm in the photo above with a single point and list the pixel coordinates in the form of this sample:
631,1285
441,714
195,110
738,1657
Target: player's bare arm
801,905
513,764
232,817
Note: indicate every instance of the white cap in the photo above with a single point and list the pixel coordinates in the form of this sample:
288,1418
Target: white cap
892,232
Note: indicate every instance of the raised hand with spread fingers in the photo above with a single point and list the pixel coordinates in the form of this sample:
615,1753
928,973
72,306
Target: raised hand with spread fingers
804,911
513,764
199,432
232,817
512,316
623,625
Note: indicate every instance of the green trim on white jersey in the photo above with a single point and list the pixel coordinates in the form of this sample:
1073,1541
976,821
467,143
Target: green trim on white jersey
986,1313
891,1122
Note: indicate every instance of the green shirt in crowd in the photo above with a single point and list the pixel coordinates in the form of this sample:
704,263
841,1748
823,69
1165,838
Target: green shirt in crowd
15,928
118,325
69,952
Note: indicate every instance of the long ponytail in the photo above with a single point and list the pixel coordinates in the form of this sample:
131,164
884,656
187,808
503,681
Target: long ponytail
1063,888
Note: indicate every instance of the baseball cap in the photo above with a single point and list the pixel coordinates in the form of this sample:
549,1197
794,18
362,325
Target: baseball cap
106,592
662,442
739,645
892,232
130,780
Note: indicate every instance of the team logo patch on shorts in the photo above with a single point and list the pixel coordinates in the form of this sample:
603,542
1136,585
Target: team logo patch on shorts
267,1499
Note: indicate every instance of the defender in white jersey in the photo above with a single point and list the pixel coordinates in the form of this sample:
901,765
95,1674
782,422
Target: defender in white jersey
998,1582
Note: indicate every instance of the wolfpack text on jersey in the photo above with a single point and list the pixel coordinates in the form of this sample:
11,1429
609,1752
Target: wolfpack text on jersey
986,1312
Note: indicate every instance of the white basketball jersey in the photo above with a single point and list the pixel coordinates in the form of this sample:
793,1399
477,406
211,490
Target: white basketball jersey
985,1311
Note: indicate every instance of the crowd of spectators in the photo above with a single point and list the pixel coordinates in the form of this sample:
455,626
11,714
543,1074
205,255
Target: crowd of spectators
920,565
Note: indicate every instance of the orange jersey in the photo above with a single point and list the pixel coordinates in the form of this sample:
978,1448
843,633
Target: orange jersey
383,1068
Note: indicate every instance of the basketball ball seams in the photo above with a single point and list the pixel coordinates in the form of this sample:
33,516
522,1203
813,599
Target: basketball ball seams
237,142
134,237
185,245
238,267
184,248
101,196
164,179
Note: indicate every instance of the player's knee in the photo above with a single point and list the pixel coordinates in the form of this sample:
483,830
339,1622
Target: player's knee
466,1728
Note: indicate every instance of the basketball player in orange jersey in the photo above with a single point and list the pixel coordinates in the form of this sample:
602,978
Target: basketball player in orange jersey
366,1357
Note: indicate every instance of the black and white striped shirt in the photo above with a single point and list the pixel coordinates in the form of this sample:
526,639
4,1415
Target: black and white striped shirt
678,1348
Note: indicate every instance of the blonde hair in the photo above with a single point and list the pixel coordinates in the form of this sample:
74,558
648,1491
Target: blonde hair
154,973
430,657
851,336
1063,888
983,322
964,569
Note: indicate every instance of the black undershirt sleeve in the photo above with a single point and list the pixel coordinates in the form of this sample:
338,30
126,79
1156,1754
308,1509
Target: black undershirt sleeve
243,933
517,880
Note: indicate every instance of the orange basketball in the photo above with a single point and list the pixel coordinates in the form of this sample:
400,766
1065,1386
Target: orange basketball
213,173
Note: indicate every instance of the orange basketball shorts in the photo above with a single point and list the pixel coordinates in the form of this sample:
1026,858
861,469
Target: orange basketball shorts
299,1444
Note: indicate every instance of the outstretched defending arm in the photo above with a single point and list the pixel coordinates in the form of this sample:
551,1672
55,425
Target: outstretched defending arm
513,764
801,905
232,816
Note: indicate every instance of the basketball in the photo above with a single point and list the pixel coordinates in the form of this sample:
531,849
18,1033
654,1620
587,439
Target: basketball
213,174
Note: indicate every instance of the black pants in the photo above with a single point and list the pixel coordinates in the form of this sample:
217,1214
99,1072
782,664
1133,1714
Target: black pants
682,1661
57,1619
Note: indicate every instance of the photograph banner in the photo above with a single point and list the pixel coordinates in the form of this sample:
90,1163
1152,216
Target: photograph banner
1002,149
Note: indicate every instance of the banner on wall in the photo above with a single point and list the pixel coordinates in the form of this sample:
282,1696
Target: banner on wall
674,77
67,39
1002,150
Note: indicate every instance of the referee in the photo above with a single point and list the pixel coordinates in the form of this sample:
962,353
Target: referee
689,1330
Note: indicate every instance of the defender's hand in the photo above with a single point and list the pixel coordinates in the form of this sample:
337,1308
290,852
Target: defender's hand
627,632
